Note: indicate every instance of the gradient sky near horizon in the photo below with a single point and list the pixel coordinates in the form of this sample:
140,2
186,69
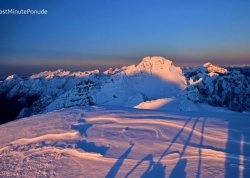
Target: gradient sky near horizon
120,32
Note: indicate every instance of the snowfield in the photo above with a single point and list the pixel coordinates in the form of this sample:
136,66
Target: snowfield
126,142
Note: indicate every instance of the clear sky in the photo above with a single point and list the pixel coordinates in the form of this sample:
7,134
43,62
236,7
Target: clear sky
118,32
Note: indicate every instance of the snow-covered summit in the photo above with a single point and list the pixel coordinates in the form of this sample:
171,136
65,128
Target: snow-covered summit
159,67
214,69
163,68
218,87
197,74
154,64
13,77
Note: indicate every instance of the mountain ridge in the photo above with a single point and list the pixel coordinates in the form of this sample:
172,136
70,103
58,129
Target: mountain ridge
152,79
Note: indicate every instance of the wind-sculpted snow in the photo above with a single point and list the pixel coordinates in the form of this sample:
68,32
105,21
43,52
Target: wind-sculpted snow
123,142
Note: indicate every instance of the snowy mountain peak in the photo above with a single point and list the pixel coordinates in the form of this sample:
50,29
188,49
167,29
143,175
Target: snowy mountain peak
13,77
155,60
154,63
214,69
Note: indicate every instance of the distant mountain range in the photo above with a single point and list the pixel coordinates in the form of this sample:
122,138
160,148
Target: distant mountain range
154,78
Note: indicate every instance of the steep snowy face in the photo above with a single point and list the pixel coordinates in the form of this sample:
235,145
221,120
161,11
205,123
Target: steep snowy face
164,69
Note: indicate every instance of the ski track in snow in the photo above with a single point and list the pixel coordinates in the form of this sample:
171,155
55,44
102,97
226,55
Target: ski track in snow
101,142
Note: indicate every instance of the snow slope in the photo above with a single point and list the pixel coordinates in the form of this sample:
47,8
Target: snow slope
125,142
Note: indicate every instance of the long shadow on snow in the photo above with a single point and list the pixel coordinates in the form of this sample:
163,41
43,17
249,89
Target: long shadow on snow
114,170
91,147
83,144
200,148
238,148
179,169
156,169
